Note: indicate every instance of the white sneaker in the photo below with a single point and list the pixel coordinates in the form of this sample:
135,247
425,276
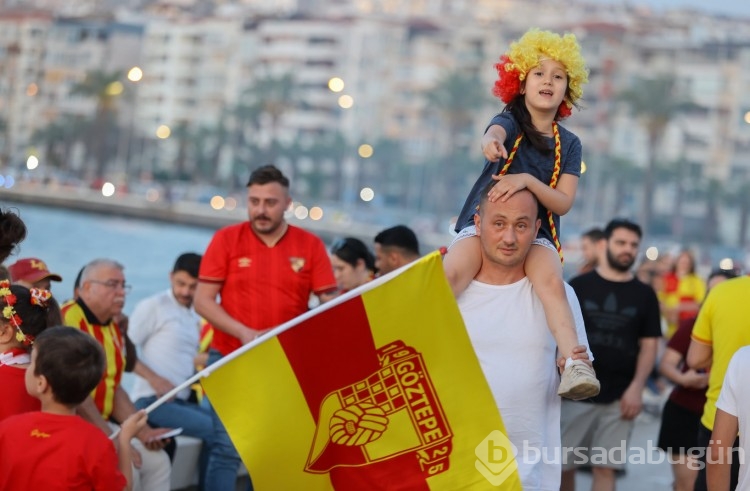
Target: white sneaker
578,382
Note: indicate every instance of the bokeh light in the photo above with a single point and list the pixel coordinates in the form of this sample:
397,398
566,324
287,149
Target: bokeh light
367,194
32,162
217,202
114,88
365,151
301,212
163,132
336,84
108,189
135,74
346,101
316,213
652,253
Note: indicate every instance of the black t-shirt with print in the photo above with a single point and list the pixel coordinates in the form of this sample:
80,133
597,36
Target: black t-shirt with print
617,315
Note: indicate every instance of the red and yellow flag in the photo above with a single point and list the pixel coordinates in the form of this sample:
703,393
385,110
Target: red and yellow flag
378,389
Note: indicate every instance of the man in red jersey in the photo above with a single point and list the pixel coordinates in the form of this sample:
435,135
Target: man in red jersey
264,271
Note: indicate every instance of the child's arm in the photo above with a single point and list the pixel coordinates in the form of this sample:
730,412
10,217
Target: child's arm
493,141
719,456
559,200
129,428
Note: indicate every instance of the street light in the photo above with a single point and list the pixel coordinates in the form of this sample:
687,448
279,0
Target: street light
346,101
336,84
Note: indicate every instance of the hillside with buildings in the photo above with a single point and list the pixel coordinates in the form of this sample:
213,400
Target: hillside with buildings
375,106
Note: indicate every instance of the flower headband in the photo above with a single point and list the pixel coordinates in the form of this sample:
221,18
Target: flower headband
528,52
38,297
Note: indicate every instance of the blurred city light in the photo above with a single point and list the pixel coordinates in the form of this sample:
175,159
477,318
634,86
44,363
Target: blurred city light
32,89
726,264
652,253
163,132
108,189
301,212
114,88
32,162
152,195
9,182
217,202
367,194
583,167
135,74
346,101
336,84
230,204
316,213
365,151
747,117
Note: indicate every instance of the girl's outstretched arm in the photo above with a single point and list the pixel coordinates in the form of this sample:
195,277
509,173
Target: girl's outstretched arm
493,141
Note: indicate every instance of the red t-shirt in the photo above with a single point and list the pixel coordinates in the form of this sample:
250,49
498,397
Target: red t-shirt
15,399
56,453
264,286
691,399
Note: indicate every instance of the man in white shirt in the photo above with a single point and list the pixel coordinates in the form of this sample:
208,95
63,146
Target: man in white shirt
166,330
507,326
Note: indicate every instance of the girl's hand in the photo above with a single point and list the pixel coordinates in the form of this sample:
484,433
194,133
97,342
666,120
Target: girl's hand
493,149
507,186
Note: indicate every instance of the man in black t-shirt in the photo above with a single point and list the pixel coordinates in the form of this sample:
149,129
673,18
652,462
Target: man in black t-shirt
623,327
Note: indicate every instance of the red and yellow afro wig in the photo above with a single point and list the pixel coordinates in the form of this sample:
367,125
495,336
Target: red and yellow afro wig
528,52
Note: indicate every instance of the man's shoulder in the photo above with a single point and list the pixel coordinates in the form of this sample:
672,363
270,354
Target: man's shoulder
583,279
300,234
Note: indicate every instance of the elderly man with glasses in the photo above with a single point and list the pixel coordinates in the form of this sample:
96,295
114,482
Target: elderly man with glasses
101,297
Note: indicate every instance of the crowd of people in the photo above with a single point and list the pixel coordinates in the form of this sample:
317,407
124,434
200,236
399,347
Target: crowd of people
167,338
568,362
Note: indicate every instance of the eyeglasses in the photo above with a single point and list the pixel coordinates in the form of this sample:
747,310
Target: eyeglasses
114,284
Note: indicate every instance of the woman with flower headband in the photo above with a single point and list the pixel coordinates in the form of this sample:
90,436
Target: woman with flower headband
23,316
540,80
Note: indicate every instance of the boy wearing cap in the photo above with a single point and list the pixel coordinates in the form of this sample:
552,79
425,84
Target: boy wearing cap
32,272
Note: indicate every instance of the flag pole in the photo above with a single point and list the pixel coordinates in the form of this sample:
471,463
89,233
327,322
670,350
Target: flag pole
278,330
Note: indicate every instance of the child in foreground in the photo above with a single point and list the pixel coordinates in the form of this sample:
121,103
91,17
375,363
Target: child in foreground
55,449
23,316
540,81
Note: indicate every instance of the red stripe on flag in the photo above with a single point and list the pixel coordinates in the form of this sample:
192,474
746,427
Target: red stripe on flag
333,350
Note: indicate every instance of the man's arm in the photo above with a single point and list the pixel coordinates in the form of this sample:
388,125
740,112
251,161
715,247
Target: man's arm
207,306
88,411
631,402
160,385
719,456
700,355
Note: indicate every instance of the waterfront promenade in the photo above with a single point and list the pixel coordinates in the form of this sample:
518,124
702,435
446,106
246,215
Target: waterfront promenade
192,213
655,476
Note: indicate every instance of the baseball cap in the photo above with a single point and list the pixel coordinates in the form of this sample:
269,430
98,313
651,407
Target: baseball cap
31,269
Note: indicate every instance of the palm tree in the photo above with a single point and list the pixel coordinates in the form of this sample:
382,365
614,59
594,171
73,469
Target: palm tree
455,98
654,102
271,97
105,88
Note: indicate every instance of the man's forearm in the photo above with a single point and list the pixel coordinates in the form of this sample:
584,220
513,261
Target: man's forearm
646,361
88,411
